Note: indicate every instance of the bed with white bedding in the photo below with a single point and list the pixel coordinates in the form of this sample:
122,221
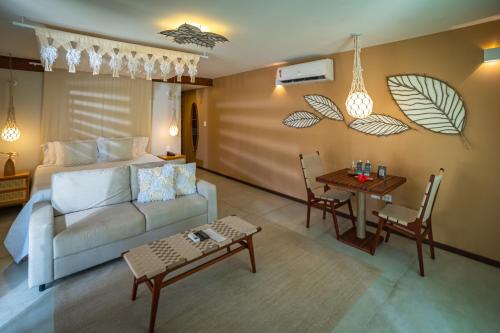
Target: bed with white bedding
16,240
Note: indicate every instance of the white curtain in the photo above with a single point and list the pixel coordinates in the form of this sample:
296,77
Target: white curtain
83,106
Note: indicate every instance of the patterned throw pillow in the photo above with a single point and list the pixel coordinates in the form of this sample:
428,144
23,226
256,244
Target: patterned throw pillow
156,184
185,178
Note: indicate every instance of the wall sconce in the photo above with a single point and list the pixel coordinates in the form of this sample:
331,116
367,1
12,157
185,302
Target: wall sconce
491,55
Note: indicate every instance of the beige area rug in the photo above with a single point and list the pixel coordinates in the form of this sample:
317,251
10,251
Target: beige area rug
300,286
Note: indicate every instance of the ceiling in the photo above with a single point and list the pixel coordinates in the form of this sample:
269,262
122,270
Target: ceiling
261,32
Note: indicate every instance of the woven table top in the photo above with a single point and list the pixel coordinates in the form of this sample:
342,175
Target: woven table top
168,253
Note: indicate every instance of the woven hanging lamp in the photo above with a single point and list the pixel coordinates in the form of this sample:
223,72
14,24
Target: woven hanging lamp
10,131
358,103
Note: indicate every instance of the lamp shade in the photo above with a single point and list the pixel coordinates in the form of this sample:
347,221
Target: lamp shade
10,132
173,130
359,104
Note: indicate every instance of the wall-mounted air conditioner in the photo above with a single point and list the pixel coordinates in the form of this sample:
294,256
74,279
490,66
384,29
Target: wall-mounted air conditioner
314,71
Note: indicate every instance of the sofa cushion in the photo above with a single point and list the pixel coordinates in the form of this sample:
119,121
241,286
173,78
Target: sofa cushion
80,190
134,168
162,213
185,179
156,184
80,231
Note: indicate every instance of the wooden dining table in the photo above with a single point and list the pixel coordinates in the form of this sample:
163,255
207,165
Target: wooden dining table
358,236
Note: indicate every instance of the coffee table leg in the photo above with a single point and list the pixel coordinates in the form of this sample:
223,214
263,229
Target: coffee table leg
361,218
252,255
154,302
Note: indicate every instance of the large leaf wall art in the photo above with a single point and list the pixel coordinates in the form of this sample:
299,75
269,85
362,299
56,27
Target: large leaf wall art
428,102
379,124
301,119
324,106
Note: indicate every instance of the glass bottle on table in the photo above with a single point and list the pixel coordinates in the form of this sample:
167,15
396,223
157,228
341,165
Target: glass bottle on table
368,168
359,168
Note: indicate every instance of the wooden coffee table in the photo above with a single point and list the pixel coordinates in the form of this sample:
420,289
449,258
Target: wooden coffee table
152,262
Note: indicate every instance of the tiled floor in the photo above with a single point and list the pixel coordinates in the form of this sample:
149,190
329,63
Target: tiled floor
457,294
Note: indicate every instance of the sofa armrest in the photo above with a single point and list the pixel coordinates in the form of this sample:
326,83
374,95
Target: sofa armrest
209,191
40,245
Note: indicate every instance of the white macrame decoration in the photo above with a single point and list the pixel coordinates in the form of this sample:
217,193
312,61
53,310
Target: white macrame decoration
115,63
73,55
179,69
95,59
164,67
48,52
122,58
133,64
192,68
149,65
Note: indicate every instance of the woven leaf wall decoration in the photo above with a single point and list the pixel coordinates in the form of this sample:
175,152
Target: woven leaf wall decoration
324,106
428,102
379,125
301,119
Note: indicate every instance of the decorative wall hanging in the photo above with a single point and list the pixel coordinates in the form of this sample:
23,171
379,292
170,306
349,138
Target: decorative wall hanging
10,131
324,106
428,102
321,104
358,103
131,58
301,119
190,34
379,125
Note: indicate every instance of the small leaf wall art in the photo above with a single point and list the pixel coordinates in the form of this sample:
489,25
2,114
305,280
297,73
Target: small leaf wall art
301,119
429,102
379,125
324,106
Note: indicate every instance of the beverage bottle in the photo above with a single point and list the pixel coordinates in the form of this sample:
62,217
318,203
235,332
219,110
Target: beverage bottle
359,167
368,168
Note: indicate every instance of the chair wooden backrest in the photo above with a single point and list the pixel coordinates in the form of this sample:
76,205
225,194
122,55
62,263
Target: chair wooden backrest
425,211
311,168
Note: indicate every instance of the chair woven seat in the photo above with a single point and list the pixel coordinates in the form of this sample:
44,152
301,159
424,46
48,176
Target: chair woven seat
398,214
333,195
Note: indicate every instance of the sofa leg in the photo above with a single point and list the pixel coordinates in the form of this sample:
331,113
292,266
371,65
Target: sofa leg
41,287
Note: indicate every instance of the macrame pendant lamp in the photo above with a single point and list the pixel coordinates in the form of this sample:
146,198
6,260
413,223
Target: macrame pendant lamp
173,130
10,131
358,103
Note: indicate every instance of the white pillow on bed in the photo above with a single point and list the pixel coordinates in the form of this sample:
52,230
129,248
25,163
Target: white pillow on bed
140,145
115,149
49,153
73,153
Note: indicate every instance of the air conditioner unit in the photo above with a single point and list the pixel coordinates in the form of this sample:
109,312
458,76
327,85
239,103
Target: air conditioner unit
314,71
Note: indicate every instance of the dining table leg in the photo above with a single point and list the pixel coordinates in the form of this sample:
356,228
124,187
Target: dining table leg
361,218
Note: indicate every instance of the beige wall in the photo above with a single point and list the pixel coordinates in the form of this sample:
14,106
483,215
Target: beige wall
247,140
27,104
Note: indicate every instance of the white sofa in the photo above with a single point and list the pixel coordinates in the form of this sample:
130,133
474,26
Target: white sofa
93,217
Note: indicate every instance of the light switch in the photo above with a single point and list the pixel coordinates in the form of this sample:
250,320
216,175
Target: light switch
204,124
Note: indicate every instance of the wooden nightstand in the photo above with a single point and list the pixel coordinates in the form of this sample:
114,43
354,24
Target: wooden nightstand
14,190
170,158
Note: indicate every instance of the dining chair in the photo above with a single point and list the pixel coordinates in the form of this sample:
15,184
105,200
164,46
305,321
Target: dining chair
409,222
320,195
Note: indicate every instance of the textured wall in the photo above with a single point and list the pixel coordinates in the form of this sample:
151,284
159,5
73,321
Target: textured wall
247,140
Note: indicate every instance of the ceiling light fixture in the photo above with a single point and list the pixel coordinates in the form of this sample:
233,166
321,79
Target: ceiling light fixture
359,104
189,34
